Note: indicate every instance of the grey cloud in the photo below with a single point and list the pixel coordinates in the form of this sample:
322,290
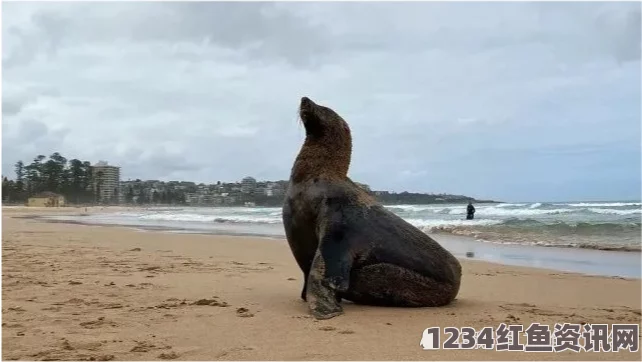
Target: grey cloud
259,30
14,100
209,91
31,138
10,107
43,38
622,35
32,130
156,163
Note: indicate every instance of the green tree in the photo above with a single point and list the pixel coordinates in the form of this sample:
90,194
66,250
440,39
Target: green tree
76,176
34,175
20,176
5,190
53,174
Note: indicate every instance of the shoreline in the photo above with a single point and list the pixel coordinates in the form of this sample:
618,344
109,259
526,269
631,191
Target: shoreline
606,233
45,218
81,292
586,261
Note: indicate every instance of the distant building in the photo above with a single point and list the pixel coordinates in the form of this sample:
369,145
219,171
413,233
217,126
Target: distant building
46,199
277,189
122,194
248,185
106,181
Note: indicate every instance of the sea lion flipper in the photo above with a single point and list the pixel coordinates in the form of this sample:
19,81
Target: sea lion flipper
337,260
304,291
321,297
330,272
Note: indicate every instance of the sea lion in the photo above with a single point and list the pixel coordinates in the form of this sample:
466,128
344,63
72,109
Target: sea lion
347,244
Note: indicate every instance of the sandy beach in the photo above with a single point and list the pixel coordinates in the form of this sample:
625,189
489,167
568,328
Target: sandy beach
77,292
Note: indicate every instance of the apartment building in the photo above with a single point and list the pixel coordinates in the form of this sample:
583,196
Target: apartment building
106,182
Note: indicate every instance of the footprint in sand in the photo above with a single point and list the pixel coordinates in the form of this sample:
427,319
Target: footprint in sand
53,309
327,328
303,316
244,312
105,357
212,302
170,305
170,355
511,319
112,306
72,301
150,268
522,305
142,347
66,345
12,325
100,322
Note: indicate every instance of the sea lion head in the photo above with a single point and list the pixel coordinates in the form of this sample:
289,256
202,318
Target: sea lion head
328,143
322,123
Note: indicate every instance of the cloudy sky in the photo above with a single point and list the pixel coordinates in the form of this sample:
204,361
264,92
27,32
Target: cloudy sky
510,101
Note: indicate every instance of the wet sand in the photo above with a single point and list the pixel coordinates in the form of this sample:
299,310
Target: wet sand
77,292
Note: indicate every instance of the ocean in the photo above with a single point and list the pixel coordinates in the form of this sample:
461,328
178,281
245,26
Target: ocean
590,225
538,234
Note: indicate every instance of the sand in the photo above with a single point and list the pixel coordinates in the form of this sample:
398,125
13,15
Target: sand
76,292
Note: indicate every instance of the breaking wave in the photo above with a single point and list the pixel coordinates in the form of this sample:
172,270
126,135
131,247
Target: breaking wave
589,225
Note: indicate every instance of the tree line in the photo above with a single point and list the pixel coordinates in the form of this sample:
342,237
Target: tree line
71,178
75,180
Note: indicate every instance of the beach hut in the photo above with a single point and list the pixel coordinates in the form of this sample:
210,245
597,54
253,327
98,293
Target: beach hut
46,199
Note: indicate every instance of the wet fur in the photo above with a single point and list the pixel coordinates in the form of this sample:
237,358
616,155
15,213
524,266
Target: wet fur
348,245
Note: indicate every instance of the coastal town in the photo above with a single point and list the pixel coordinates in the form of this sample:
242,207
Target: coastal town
59,182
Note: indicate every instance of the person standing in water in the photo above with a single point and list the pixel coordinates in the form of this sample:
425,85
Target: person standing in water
470,211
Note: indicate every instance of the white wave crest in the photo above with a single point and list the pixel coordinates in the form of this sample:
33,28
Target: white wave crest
615,211
499,211
604,204
438,224
418,208
212,218
510,205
